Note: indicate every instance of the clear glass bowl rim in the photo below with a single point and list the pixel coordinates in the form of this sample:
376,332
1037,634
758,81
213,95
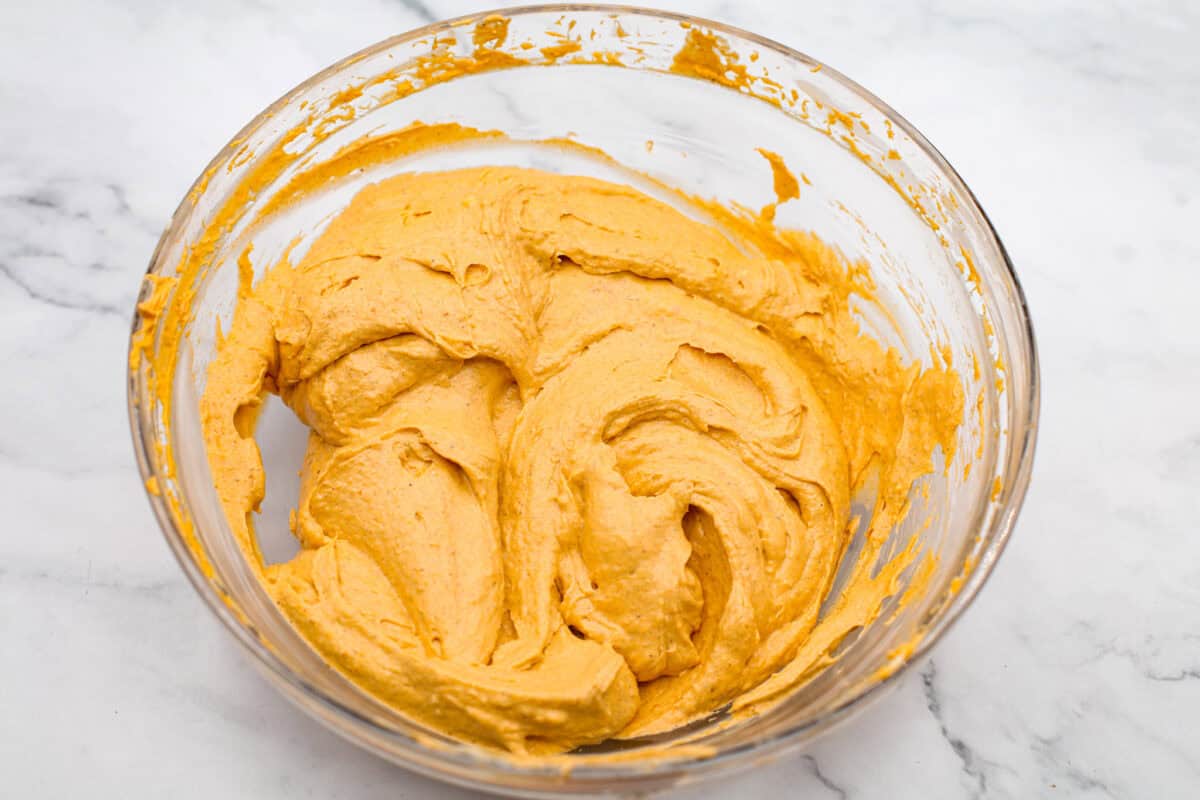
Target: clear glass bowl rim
1022,441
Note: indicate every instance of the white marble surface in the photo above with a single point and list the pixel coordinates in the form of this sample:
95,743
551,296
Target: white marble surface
1075,674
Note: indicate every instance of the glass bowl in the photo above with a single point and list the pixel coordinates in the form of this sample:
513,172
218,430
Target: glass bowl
606,78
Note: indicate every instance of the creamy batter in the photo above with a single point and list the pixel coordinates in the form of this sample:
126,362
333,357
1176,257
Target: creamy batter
580,466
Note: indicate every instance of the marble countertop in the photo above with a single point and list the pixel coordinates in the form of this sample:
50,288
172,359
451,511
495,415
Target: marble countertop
1075,674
